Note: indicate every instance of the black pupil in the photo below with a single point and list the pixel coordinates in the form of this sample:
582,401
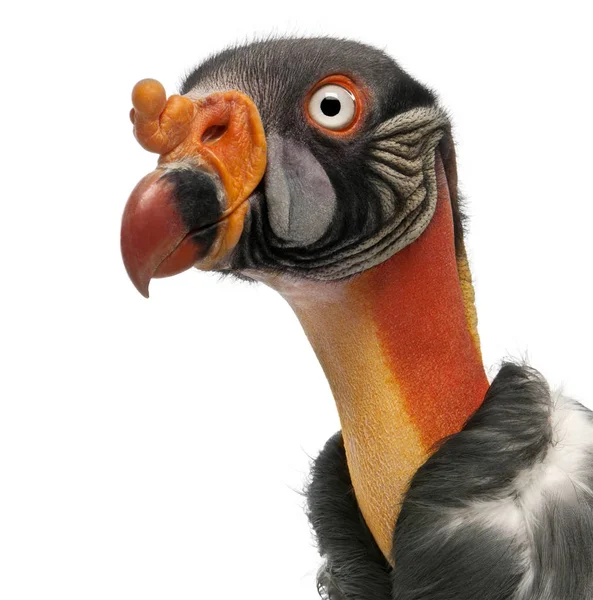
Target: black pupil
330,107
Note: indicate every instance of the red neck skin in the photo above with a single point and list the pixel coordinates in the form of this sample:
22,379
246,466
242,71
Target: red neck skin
400,350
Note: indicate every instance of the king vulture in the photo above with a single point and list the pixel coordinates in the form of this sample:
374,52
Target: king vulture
322,169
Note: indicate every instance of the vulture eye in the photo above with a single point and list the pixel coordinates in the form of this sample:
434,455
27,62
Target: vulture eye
333,107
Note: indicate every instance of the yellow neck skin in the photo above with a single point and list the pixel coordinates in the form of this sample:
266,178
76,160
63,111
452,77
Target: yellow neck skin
400,350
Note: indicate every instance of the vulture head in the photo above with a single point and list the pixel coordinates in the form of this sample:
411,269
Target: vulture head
284,159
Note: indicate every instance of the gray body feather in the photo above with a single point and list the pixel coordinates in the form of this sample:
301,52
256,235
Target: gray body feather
502,510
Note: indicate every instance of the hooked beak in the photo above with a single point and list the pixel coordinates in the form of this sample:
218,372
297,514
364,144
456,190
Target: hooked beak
191,209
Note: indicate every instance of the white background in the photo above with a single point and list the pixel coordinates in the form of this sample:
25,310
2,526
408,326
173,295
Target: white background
155,449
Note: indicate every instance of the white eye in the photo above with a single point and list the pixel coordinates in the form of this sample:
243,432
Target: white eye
332,106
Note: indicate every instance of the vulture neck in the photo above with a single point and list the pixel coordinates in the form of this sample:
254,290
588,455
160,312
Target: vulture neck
400,349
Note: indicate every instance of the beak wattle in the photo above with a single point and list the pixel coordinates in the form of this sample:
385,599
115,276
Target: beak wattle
191,209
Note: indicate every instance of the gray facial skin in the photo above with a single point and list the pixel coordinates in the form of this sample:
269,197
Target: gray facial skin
301,199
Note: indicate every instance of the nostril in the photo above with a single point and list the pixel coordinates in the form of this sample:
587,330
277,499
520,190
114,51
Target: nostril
213,133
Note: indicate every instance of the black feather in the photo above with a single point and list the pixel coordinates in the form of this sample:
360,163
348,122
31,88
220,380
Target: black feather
354,568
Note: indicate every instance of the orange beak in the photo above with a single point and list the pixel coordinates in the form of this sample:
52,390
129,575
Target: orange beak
191,209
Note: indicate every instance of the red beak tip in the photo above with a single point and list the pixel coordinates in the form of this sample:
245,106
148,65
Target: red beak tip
140,283
142,287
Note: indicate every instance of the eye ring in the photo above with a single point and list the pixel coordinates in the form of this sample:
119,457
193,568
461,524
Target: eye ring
335,105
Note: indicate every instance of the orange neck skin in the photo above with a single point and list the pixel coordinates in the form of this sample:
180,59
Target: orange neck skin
399,347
